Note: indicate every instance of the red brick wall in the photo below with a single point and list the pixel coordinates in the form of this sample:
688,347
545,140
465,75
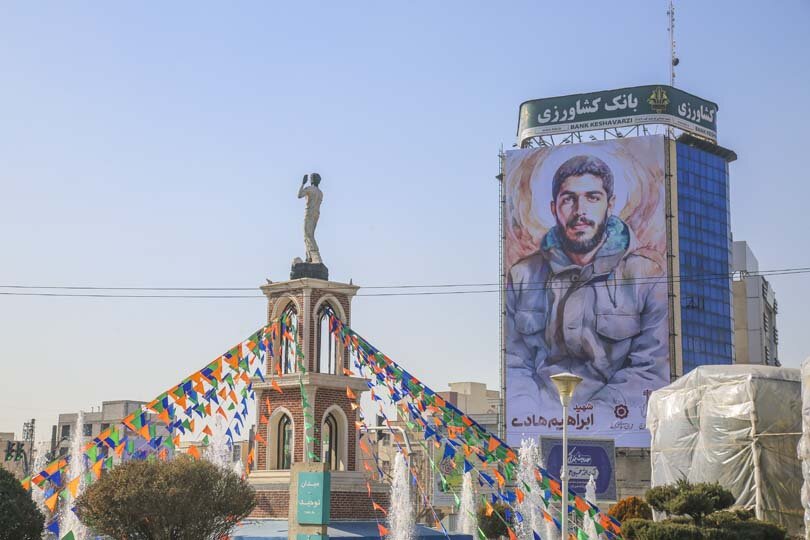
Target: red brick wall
291,400
344,505
271,504
325,398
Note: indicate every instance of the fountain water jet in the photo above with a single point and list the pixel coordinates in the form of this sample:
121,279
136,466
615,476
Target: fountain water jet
467,520
530,508
590,496
400,514
39,463
68,521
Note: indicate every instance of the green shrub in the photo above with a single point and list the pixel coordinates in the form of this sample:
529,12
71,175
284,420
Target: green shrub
20,519
694,500
665,530
634,528
143,500
630,508
756,530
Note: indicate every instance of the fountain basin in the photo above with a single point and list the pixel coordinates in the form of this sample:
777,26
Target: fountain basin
276,529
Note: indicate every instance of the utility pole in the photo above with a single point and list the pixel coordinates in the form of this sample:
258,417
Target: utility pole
673,58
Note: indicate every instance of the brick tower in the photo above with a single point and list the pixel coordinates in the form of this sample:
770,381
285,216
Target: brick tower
334,438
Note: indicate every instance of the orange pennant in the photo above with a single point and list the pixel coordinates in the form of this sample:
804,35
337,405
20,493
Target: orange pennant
73,486
493,444
260,438
263,419
194,452
378,507
207,430
382,529
276,387
164,416
50,502
489,509
350,394
347,372
267,402
520,495
96,468
511,534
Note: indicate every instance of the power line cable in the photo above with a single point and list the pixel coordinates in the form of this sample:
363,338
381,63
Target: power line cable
677,278
21,290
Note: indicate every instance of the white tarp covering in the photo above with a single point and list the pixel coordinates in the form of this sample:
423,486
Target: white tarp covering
804,444
739,426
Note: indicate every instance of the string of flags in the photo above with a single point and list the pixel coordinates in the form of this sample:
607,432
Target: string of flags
185,413
486,456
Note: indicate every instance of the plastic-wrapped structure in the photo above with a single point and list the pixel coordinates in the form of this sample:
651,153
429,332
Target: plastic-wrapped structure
737,425
804,444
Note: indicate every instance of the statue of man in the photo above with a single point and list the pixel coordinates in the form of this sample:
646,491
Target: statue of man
314,197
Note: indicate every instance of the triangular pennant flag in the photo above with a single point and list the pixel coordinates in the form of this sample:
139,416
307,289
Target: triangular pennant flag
382,529
50,502
73,486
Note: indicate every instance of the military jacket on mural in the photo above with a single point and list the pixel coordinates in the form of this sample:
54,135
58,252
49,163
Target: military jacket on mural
605,321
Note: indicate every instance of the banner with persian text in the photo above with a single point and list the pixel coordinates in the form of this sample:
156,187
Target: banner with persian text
653,104
586,286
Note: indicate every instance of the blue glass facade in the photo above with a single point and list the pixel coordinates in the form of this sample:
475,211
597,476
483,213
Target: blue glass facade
704,230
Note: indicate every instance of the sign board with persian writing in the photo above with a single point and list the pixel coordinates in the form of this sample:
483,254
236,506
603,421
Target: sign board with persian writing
313,498
586,457
652,104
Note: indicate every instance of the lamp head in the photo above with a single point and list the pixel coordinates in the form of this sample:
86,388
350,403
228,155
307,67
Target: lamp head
566,383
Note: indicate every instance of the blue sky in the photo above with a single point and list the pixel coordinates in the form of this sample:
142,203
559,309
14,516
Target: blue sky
163,144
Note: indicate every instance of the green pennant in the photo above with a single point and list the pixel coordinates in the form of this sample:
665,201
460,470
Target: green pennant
69,536
92,454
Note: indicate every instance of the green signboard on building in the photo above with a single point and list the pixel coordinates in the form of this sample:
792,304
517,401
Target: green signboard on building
313,498
653,104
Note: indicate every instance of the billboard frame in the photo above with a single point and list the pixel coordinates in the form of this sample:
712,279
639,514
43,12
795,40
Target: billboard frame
629,107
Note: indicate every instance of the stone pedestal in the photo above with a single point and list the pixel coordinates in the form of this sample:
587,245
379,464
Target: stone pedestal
309,270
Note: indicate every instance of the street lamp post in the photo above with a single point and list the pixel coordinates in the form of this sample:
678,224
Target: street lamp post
566,383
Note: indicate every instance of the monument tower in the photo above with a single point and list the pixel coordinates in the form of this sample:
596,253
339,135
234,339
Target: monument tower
283,444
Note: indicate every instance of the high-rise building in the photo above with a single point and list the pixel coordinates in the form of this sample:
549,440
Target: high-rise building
704,253
755,334
617,261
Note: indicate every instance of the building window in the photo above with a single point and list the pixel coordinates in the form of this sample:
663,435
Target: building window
289,320
237,453
328,350
65,432
87,430
284,451
329,440
104,426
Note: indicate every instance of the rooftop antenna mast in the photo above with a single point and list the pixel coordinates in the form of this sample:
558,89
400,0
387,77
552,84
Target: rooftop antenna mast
673,58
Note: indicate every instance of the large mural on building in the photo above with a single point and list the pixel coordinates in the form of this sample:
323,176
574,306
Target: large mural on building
586,286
